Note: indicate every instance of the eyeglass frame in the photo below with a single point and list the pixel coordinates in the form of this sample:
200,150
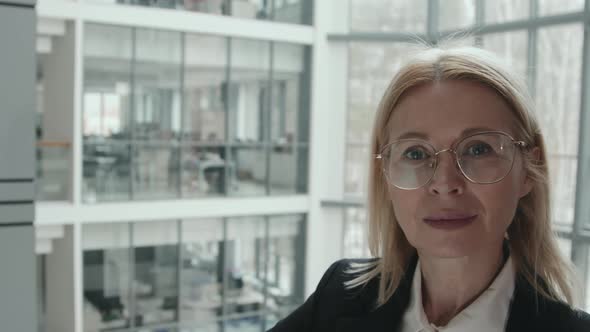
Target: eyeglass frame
519,144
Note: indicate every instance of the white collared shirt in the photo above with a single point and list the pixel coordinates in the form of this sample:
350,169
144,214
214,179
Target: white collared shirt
488,313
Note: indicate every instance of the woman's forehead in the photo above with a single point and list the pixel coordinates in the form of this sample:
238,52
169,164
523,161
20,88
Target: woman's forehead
450,108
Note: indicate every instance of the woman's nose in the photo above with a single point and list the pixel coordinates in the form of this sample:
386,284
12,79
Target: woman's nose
447,179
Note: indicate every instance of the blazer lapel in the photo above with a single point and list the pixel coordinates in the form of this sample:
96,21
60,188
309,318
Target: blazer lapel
386,318
529,311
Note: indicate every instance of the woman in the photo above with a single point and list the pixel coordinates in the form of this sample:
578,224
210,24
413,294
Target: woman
458,213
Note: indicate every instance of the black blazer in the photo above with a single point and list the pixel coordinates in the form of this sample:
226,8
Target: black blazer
332,308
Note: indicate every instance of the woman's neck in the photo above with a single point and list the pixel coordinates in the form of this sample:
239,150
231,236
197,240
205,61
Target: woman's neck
451,284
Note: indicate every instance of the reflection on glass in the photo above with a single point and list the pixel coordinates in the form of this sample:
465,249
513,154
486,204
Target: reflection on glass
156,172
371,68
208,6
562,172
249,93
356,168
155,281
287,169
288,111
288,11
161,107
550,7
157,84
204,82
292,11
511,47
498,11
106,171
107,68
106,113
245,262
203,171
355,238
456,14
557,94
385,15
247,171
565,246
285,263
201,270
106,271
53,171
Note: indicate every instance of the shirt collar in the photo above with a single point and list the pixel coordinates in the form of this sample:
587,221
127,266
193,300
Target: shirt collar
488,312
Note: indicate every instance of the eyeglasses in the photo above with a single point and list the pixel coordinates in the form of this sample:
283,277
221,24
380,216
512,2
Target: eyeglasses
483,158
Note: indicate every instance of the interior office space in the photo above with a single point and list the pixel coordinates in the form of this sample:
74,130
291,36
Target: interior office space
199,164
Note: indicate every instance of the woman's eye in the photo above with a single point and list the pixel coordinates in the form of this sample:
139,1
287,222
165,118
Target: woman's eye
478,149
415,154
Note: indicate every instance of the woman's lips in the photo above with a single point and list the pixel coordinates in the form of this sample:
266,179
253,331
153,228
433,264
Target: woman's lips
450,221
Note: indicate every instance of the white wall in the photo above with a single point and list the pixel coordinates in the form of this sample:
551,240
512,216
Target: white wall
58,88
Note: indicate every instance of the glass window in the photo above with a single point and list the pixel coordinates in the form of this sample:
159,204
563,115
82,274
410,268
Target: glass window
371,68
246,171
499,11
356,168
210,6
285,263
203,171
106,170
288,11
156,171
557,94
289,72
107,71
293,11
157,84
248,91
288,164
205,74
106,276
245,262
155,281
384,15
106,125
565,246
549,7
201,270
456,14
512,47
355,237
288,119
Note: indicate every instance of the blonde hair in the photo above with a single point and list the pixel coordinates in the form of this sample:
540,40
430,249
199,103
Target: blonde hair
532,243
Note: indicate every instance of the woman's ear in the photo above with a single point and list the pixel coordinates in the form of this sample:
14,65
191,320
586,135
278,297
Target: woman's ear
535,155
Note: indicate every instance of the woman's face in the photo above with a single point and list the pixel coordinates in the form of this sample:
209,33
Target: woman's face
442,112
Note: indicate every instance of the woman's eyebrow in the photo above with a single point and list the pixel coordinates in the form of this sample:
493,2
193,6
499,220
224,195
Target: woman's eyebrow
425,136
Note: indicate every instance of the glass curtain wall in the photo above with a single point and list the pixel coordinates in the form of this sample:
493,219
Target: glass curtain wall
547,54
230,274
171,115
285,11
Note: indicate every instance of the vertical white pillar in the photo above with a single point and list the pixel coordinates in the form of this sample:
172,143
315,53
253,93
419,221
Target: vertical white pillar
327,138
59,284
